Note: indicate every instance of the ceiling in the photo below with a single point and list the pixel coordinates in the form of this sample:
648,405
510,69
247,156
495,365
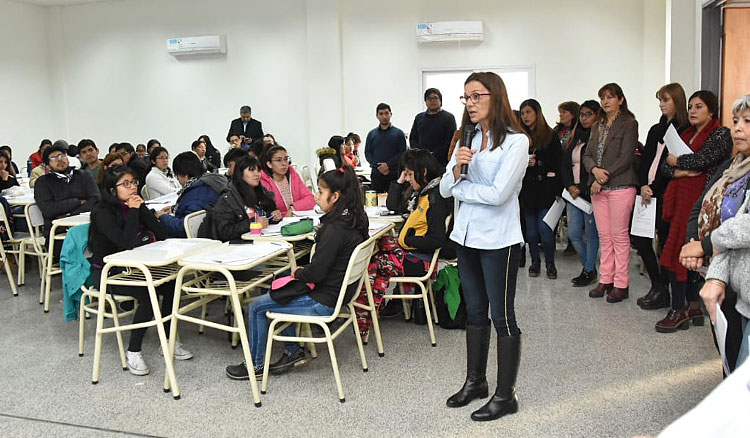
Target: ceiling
57,2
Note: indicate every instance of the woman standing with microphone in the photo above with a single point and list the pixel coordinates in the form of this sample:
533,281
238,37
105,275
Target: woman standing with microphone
488,233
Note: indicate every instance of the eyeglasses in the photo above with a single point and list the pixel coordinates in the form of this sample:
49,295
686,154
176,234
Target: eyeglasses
474,97
586,115
127,184
433,98
55,158
282,160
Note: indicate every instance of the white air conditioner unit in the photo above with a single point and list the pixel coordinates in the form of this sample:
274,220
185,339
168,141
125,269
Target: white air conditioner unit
199,45
450,31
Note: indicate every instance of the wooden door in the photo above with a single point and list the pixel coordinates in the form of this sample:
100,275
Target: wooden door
735,72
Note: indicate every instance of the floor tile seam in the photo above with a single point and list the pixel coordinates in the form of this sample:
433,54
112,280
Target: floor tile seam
79,426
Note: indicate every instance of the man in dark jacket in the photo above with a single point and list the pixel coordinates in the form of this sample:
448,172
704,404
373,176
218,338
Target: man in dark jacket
199,191
137,165
64,191
433,129
383,149
247,128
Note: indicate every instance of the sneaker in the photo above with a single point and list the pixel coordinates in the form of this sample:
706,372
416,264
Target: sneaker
288,361
136,364
180,353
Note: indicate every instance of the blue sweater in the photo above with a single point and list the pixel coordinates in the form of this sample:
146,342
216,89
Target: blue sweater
384,146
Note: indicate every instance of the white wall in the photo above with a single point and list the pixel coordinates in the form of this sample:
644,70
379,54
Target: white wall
27,113
313,68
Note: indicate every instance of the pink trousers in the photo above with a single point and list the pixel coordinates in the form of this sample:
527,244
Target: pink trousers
612,210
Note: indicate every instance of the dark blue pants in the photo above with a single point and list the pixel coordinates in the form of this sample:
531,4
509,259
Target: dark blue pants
536,228
488,279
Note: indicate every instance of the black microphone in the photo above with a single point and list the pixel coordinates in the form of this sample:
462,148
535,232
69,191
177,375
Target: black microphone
469,130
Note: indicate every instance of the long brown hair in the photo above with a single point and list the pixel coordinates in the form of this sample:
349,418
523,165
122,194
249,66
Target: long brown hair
106,162
677,93
540,132
615,90
502,118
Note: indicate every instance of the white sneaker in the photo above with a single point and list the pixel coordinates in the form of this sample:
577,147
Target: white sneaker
180,353
136,364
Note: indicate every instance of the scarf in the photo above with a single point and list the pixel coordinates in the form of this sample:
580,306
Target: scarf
412,204
66,177
723,198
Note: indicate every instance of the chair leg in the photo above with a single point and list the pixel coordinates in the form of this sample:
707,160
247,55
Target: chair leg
237,309
311,345
353,320
431,293
407,307
81,321
99,334
266,358
375,321
428,314
21,264
116,322
334,363
204,311
9,272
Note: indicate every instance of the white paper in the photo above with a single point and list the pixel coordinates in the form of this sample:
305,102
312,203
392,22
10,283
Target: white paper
720,328
579,202
553,215
644,218
237,254
168,199
376,226
674,143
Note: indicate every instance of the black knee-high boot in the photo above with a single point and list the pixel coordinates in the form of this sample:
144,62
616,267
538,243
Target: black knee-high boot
504,401
477,349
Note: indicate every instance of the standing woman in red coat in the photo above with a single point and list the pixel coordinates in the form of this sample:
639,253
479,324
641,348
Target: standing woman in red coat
711,144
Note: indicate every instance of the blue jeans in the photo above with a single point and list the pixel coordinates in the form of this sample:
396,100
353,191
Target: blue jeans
745,346
587,249
488,280
535,227
257,323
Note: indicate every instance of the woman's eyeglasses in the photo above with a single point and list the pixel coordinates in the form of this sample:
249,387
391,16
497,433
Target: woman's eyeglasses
127,184
586,115
474,97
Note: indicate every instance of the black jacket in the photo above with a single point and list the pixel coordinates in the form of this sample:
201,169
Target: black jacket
57,198
334,246
539,188
228,219
566,165
253,131
113,231
11,182
438,208
654,137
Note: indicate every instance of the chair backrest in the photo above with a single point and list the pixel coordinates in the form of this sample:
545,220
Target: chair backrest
4,221
308,179
144,193
356,271
34,216
436,254
193,221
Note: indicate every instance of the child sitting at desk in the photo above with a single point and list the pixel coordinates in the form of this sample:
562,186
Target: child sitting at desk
343,227
120,222
244,201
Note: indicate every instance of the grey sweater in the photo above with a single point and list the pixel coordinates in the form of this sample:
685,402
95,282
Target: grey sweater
732,241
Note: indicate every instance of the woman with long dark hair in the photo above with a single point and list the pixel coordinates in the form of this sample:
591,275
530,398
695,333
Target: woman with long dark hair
609,161
575,180
121,221
213,154
487,230
541,185
290,192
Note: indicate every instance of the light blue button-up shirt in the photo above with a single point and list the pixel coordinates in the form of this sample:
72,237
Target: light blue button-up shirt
488,215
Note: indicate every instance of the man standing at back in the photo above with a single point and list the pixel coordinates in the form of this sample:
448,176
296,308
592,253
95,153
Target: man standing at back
383,149
433,129
247,128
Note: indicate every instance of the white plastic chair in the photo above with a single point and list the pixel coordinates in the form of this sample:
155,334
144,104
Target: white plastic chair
308,179
356,272
90,305
193,221
33,244
144,193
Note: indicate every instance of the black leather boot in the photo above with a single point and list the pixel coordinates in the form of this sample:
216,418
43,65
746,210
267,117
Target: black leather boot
657,297
504,401
477,349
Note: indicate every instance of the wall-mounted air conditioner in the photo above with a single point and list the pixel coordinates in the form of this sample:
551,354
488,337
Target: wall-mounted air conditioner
450,31
199,45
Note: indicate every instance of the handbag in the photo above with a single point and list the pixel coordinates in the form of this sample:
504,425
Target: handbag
302,226
285,289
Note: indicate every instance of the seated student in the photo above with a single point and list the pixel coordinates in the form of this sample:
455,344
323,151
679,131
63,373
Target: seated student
112,159
36,172
90,157
243,201
130,159
160,179
424,230
120,222
199,148
7,175
290,193
140,151
36,157
8,151
198,192
64,191
343,227
231,157
213,154
151,145
235,142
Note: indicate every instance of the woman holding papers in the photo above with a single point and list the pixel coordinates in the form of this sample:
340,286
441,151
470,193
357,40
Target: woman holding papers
488,233
243,202
160,179
719,227
120,222
609,161
575,180
673,106
541,186
711,145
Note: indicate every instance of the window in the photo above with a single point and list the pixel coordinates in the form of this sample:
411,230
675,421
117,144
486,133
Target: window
518,80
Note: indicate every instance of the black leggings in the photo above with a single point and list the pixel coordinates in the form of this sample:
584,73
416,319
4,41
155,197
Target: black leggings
144,312
645,248
685,292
